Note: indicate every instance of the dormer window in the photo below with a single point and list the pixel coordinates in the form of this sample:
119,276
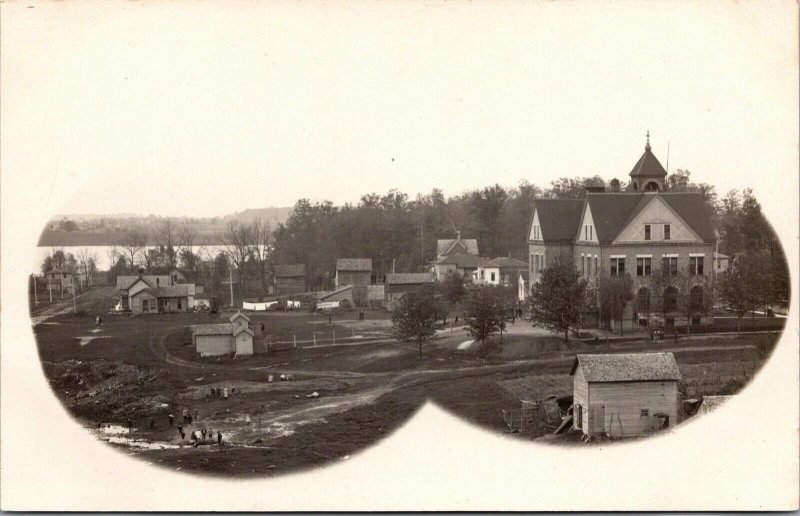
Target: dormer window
647,231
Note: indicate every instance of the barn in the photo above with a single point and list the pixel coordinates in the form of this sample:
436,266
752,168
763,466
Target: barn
626,394
290,279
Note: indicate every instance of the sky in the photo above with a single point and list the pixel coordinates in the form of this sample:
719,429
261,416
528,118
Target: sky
151,107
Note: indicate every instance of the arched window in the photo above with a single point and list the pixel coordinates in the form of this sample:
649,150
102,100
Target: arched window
635,186
670,299
696,298
651,187
643,300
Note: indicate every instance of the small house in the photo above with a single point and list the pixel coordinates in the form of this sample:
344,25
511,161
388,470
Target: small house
626,394
290,279
62,280
145,299
464,264
501,271
399,284
446,247
234,337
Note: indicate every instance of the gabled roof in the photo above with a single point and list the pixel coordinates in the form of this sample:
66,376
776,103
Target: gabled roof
692,209
244,330
627,367
448,245
213,329
504,261
610,212
409,278
290,271
354,264
462,260
648,166
237,315
558,218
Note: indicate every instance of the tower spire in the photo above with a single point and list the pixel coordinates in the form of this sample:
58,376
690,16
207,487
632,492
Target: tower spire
647,145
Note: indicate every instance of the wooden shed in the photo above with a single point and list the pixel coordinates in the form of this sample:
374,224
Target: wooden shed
626,394
398,284
290,279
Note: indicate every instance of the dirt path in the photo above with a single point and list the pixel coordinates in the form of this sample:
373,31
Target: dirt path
314,410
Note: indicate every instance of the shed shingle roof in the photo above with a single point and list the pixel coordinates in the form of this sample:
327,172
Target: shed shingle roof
409,278
627,367
445,246
213,329
354,264
290,271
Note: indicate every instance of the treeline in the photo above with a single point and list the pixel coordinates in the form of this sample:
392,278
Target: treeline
397,231
83,230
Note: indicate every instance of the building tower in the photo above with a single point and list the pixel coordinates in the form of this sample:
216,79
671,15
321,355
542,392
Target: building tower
648,175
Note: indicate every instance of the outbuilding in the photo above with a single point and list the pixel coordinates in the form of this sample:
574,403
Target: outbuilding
222,339
626,394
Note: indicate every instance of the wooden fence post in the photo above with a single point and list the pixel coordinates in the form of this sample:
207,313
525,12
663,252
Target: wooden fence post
294,337
315,338
334,336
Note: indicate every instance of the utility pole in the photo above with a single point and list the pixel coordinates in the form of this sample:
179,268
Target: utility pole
230,280
35,294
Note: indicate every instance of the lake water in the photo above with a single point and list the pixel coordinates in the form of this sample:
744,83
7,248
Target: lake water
103,254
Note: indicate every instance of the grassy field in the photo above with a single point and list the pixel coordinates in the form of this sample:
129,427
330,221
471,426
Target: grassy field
141,369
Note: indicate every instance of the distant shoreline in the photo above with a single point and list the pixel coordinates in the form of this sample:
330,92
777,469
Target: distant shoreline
54,238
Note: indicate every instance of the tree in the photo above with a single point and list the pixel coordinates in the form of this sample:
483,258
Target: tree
415,318
236,241
453,288
484,313
260,251
557,299
743,286
615,294
133,243
87,259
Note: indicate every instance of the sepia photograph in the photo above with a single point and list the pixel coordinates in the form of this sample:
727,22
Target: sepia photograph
255,242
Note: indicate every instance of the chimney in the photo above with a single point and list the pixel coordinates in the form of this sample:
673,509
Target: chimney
141,271
458,233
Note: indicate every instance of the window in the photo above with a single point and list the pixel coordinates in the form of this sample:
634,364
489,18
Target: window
491,280
647,231
643,266
579,420
696,265
595,266
644,412
669,264
586,232
667,232
617,266
591,232
179,304
583,265
158,282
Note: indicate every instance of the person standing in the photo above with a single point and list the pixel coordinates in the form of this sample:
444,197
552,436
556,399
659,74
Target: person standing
185,416
180,429
171,420
219,438
225,393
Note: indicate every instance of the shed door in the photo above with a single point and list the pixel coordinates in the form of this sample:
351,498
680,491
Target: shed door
598,418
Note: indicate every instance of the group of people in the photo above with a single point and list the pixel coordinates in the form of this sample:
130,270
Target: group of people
197,437
220,392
